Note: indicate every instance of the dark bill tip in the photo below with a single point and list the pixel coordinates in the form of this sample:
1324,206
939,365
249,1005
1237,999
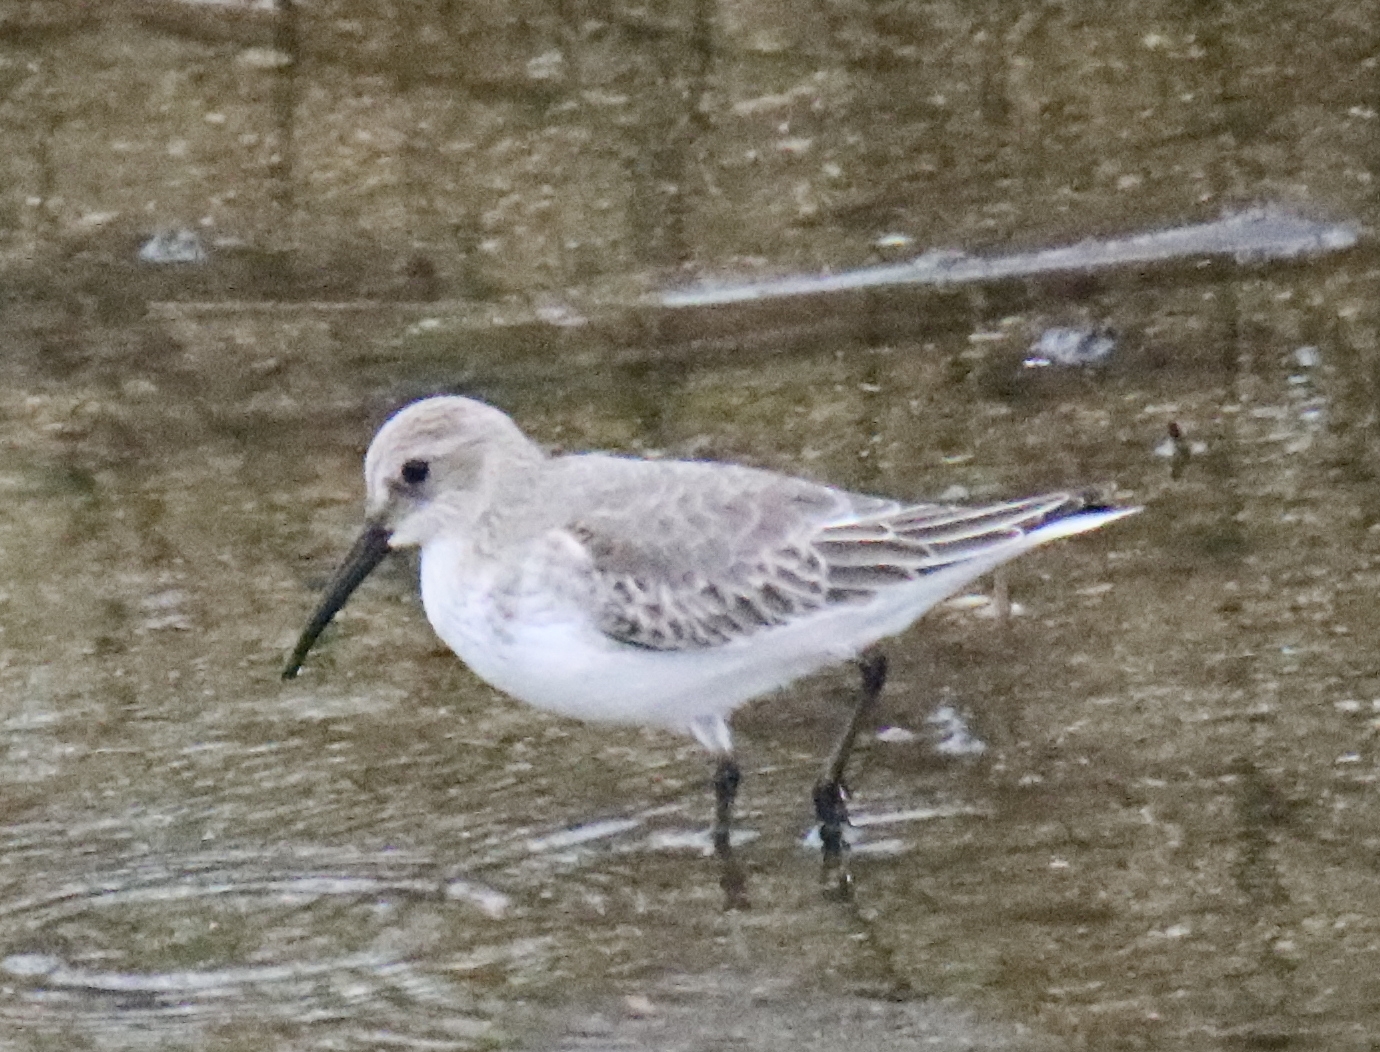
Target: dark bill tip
368,552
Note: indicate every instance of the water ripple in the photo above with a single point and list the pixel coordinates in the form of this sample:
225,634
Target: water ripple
319,940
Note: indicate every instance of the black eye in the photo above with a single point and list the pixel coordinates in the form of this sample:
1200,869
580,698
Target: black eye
414,472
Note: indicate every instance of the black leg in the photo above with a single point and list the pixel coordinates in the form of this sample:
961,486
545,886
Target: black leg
731,876
831,793
726,778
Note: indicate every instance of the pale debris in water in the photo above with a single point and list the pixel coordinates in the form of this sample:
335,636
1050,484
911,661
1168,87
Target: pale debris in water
1071,347
896,735
955,738
173,246
1259,234
1169,447
983,606
489,901
582,834
894,241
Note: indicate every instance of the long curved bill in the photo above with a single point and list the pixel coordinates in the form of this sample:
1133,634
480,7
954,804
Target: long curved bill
368,551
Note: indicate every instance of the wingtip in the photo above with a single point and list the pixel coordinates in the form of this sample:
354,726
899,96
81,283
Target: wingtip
1111,512
1084,519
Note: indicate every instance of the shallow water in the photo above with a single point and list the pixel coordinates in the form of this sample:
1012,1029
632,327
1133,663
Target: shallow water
1169,838
1168,825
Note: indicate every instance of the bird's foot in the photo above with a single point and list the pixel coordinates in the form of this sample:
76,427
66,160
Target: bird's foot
831,808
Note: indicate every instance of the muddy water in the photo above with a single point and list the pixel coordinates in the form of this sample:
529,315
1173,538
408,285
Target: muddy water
1169,839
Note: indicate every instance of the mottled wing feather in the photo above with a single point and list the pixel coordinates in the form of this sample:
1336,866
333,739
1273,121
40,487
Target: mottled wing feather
913,541
741,552
699,613
713,562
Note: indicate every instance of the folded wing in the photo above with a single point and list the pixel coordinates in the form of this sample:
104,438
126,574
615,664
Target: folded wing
723,556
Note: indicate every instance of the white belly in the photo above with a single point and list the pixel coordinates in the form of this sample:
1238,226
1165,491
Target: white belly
547,653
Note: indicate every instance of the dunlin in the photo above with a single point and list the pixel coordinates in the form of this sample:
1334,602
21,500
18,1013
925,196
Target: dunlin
664,593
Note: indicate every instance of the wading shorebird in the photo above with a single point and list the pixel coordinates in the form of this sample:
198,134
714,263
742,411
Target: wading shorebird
665,593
